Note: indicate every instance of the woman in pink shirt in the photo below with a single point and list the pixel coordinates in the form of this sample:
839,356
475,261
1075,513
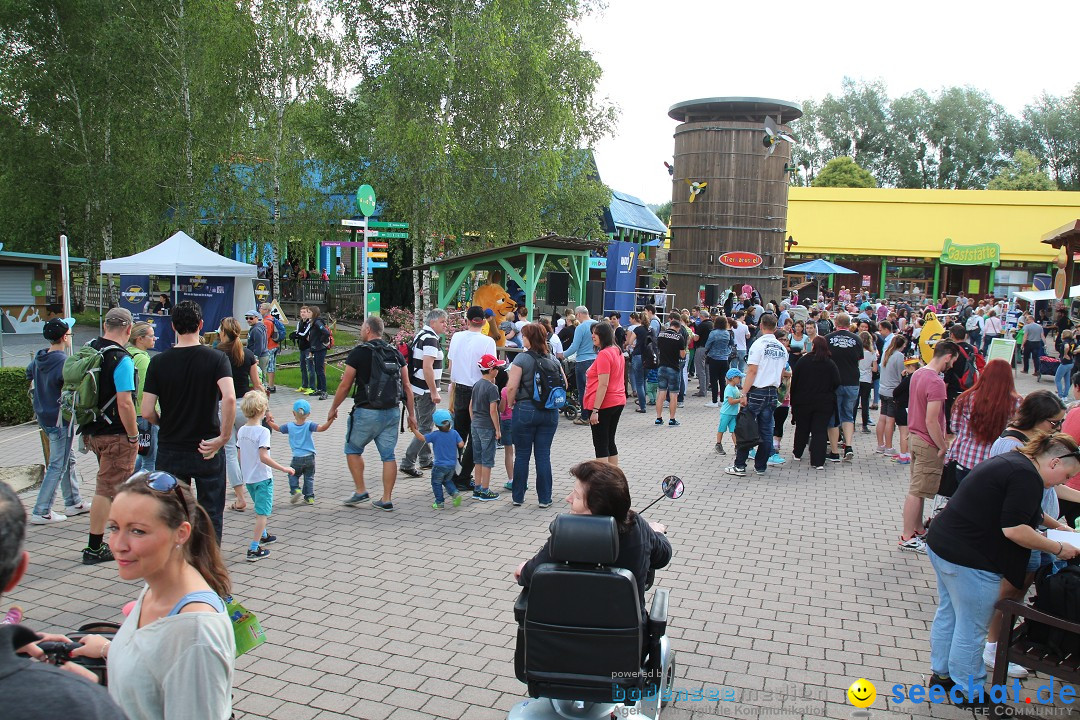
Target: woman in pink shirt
605,392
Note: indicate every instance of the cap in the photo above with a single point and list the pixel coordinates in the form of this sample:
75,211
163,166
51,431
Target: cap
252,313
735,373
489,362
912,361
474,314
118,317
57,328
488,312
442,416
302,406
507,326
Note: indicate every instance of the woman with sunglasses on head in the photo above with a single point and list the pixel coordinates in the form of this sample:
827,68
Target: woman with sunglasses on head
172,659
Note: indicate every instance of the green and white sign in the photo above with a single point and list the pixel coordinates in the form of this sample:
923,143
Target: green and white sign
388,225
365,200
373,304
981,254
39,288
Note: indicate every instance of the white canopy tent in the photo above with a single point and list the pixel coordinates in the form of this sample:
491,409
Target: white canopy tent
1040,295
181,255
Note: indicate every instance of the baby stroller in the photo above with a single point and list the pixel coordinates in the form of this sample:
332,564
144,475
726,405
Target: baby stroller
572,408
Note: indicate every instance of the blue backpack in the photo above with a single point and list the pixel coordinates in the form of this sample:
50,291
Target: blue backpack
279,329
549,387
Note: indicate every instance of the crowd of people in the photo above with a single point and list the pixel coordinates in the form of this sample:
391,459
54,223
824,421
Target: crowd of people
172,428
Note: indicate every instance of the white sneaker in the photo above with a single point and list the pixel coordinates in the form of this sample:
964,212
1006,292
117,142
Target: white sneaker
82,507
1015,671
712,404
52,517
914,543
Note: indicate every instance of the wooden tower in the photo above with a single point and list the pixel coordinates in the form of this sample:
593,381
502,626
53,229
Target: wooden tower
742,212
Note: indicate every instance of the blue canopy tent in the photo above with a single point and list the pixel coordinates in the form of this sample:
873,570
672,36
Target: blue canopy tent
820,267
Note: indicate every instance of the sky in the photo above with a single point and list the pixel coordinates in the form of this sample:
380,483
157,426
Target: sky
655,54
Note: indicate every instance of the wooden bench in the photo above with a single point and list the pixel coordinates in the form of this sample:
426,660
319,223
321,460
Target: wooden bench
1020,649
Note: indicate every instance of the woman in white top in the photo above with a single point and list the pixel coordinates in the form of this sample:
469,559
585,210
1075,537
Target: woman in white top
991,329
172,659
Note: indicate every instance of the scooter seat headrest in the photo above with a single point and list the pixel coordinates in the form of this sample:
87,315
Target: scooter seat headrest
585,539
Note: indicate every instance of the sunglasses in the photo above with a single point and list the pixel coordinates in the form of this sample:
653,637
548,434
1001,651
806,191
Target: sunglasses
164,483
1056,423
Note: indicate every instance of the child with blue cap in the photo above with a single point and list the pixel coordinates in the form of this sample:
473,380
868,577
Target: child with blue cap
729,408
445,443
303,450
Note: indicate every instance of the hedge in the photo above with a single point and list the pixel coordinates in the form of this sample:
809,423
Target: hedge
15,405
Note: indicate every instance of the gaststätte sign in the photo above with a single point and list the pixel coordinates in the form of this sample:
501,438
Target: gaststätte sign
739,259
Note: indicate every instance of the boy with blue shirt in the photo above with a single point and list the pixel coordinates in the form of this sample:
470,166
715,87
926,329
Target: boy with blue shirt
303,450
729,408
445,443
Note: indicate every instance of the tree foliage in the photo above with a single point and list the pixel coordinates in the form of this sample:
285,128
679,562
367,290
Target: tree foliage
844,172
1022,173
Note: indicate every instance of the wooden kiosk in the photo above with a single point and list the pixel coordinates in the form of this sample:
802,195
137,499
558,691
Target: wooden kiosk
734,230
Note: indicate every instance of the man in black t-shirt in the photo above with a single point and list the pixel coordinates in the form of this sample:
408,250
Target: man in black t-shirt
671,351
847,351
366,423
187,382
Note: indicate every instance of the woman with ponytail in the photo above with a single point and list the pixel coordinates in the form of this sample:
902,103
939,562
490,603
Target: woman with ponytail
172,658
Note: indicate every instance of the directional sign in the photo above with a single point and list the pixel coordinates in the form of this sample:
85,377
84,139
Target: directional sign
381,224
385,234
365,200
347,222
377,245
373,265
375,254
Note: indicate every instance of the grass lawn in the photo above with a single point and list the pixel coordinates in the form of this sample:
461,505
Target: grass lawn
341,339
290,377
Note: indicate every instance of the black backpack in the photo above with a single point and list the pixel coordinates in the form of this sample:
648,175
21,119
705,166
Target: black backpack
1057,594
549,388
384,385
650,359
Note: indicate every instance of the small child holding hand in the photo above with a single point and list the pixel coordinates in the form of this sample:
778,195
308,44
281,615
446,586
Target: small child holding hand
486,428
303,449
729,408
253,448
445,443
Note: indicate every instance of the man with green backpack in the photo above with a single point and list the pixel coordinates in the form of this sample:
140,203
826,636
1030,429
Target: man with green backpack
99,393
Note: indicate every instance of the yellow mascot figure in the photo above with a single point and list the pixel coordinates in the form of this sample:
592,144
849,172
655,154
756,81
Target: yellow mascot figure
494,298
932,331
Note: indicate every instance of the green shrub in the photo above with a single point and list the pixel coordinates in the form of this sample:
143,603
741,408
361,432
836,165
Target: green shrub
15,406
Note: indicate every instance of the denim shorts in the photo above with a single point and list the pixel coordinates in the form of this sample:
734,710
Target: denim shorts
888,407
366,424
262,496
846,395
506,428
483,446
727,423
668,378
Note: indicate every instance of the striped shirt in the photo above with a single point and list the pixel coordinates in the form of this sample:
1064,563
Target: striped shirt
425,344
967,450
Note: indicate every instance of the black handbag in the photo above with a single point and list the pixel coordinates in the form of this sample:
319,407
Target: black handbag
948,484
746,430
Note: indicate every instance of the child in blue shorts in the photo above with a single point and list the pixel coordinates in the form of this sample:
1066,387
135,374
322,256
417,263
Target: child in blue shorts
729,409
253,449
445,443
303,450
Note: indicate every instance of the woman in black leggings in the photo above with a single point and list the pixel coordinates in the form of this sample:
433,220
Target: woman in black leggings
718,351
605,392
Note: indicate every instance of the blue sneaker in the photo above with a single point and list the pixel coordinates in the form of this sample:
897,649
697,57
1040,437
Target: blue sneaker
776,459
357,499
379,504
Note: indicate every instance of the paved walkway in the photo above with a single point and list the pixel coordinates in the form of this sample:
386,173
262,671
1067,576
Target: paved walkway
784,588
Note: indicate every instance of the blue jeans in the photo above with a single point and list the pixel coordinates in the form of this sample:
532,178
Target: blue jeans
966,598
1062,379
581,368
232,460
740,359
483,446
442,476
307,370
318,361
147,462
637,379
56,473
760,402
367,424
425,410
303,466
534,430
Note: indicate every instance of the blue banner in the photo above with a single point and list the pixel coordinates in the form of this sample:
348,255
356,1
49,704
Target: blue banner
621,279
134,293
213,294
163,332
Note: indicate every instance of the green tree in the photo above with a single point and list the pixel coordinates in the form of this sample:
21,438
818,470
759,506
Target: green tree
1022,173
1050,130
663,212
843,172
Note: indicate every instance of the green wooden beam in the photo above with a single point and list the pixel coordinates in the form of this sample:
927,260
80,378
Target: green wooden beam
512,273
452,284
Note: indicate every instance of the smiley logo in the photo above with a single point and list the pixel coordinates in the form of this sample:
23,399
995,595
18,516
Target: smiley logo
862,693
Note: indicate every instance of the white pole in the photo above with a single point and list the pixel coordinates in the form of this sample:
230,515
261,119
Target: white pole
65,270
364,260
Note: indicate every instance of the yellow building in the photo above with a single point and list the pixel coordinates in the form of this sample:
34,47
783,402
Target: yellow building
904,242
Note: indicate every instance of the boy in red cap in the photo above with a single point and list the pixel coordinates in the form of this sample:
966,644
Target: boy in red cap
484,415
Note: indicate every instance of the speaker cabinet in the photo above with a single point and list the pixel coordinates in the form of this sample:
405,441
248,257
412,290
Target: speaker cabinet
712,295
594,297
558,288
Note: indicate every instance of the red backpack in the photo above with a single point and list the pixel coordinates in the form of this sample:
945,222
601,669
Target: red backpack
973,364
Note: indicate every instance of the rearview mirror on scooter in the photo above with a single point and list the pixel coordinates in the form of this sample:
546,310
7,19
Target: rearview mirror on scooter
672,487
